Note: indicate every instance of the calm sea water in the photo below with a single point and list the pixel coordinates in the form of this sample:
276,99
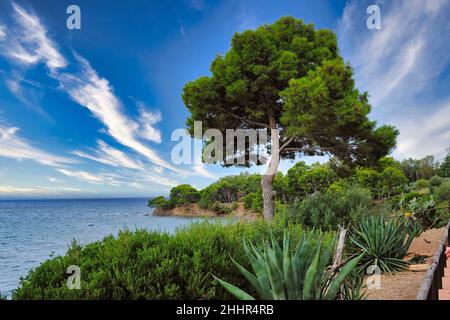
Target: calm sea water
32,230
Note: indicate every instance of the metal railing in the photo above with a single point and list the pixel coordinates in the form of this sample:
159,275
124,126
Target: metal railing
432,283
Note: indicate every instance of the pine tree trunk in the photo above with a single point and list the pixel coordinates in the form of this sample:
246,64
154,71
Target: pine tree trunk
268,178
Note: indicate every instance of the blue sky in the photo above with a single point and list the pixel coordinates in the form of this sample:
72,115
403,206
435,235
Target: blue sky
90,112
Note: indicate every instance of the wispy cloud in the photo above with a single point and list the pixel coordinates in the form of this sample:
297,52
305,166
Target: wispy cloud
201,170
2,32
12,146
395,61
147,121
27,93
402,67
8,190
433,136
26,44
90,177
95,93
108,155
29,43
155,178
87,88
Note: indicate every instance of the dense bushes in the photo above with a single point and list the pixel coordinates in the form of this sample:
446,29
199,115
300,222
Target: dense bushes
385,183
160,202
154,265
443,192
179,195
253,201
229,189
327,210
184,194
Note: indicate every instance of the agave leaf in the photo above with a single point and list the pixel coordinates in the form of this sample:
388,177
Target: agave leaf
289,276
277,255
257,262
345,271
275,279
250,278
310,278
235,291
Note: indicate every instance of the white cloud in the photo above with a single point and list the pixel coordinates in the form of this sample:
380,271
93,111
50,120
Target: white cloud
160,180
2,32
27,95
402,66
111,156
432,138
394,62
109,179
147,120
82,175
30,43
21,190
12,146
200,169
158,170
7,190
96,94
135,185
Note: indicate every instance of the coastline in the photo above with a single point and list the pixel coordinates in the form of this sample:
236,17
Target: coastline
193,210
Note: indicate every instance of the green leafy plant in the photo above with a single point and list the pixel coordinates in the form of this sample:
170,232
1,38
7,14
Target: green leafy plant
160,202
327,210
155,265
281,274
443,192
384,242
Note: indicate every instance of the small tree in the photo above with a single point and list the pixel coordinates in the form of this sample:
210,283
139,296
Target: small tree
445,166
184,194
289,79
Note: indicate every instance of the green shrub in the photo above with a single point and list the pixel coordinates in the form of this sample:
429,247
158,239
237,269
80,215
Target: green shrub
384,242
327,210
436,181
154,265
160,202
184,194
285,274
443,192
253,201
221,208
229,189
421,184
407,198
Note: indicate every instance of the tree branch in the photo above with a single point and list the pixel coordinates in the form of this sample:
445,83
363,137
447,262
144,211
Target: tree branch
286,144
243,119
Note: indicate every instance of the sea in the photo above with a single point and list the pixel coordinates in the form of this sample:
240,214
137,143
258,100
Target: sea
31,231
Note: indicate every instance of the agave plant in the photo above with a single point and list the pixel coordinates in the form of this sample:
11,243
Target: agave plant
385,242
281,274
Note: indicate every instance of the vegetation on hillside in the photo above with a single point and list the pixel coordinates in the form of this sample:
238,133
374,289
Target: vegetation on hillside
155,265
326,195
